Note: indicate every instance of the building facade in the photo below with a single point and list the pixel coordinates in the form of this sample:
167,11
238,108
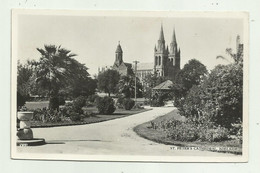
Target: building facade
166,62
119,65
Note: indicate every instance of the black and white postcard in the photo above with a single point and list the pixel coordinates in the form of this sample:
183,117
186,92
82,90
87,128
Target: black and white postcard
148,86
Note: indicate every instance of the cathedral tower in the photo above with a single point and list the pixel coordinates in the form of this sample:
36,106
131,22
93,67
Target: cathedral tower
119,55
167,61
174,54
160,55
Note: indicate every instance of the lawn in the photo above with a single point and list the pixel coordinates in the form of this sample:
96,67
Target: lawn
36,105
144,130
95,118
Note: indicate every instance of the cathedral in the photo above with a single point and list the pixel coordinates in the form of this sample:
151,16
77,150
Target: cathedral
119,65
167,62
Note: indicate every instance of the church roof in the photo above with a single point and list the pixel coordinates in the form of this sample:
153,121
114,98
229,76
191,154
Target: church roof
145,66
119,49
164,86
129,65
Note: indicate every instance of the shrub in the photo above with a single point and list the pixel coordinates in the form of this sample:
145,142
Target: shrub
191,130
20,100
61,100
128,103
92,98
218,98
79,102
74,116
157,102
105,105
47,115
54,103
120,102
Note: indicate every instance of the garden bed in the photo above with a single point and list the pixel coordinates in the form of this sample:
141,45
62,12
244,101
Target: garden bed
144,130
119,113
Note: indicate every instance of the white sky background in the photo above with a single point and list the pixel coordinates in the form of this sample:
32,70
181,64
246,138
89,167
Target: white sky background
94,39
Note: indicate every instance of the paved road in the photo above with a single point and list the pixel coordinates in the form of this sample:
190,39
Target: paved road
115,137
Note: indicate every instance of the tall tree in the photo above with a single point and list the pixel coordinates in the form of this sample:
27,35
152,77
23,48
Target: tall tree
126,86
108,80
52,70
24,73
191,74
150,81
236,57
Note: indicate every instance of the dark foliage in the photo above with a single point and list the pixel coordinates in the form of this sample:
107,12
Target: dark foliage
108,80
106,105
20,100
191,130
92,98
128,103
79,102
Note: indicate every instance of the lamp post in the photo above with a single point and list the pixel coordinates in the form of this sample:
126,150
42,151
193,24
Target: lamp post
135,77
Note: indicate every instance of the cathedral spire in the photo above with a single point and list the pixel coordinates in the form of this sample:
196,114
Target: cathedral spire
174,36
161,34
173,44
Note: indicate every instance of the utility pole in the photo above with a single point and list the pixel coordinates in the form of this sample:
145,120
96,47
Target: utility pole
135,77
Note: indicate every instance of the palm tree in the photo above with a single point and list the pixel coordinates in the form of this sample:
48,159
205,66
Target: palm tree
236,57
52,70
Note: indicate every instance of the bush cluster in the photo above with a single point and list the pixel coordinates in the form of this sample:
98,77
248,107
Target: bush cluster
47,115
157,101
191,130
55,102
20,100
128,103
106,105
92,98
218,98
125,103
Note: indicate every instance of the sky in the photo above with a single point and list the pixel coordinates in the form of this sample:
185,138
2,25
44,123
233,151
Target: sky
95,38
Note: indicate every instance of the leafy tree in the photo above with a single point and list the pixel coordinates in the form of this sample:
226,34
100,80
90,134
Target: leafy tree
126,86
149,82
108,80
81,84
191,74
224,94
24,73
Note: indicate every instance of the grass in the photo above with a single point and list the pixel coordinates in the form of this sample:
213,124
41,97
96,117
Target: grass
144,130
119,113
36,105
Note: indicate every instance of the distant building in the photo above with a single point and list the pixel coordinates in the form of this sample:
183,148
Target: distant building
143,69
119,65
104,68
167,62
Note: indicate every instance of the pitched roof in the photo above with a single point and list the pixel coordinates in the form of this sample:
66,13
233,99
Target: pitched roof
145,66
129,65
164,86
119,49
